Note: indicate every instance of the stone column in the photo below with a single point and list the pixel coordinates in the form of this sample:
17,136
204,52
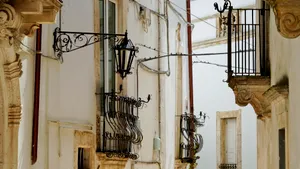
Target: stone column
10,71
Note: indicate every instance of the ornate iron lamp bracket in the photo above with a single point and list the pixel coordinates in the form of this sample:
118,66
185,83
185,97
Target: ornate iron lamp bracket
67,41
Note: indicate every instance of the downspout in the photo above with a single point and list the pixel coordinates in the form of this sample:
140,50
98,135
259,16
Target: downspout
37,75
158,78
191,89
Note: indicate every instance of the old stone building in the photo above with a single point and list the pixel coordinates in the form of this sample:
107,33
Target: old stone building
71,97
266,77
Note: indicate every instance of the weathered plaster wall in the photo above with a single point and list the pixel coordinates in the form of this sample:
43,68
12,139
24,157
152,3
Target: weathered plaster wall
284,56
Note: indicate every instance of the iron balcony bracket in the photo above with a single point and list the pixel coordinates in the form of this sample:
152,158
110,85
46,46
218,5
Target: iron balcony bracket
67,41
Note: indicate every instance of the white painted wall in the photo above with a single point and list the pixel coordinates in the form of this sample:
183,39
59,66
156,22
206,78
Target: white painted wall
67,90
284,57
211,94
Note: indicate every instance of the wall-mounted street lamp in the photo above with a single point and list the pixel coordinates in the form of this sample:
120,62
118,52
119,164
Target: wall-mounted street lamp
67,41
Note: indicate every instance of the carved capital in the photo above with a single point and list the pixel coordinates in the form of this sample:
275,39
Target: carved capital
249,90
287,15
10,22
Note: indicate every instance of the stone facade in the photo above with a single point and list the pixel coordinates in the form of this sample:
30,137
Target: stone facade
17,19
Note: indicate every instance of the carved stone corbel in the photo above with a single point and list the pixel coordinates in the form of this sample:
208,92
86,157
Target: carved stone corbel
249,90
287,16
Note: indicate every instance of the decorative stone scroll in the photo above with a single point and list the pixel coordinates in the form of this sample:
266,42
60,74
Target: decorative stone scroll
287,15
249,90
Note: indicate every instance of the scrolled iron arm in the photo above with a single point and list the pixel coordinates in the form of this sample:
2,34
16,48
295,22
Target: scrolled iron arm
225,6
67,41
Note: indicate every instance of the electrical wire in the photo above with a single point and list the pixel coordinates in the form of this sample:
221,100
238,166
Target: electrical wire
170,2
181,17
151,10
194,54
34,51
219,65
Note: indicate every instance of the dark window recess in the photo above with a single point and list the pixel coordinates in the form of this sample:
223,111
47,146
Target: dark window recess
247,40
281,134
83,158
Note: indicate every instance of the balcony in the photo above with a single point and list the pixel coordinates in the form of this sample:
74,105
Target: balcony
227,166
191,142
35,13
118,125
248,56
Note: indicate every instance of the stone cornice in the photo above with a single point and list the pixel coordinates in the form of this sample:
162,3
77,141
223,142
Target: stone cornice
249,90
276,93
287,16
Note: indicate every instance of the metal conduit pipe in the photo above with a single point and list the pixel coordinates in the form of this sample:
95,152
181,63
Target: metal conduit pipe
190,68
158,77
37,75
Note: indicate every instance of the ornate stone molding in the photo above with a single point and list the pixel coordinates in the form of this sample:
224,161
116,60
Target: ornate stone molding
86,140
249,90
180,165
277,93
14,115
13,70
287,15
104,162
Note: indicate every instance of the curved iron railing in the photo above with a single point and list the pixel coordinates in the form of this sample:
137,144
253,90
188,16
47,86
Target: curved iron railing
118,123
227,166
189,146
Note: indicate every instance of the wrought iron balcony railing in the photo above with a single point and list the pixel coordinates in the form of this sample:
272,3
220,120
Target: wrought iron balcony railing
191,142
247,40
118,123
227,166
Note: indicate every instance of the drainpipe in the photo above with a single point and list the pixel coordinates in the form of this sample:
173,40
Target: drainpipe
191,89
37,75
158,78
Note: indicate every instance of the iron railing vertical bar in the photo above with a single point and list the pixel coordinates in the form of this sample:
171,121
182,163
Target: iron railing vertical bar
235,48
229,42
245,43
264,39
249,47
239,27
253,46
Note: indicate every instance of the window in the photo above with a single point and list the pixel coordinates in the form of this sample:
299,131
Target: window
281,137
83,158
229,139
107,61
